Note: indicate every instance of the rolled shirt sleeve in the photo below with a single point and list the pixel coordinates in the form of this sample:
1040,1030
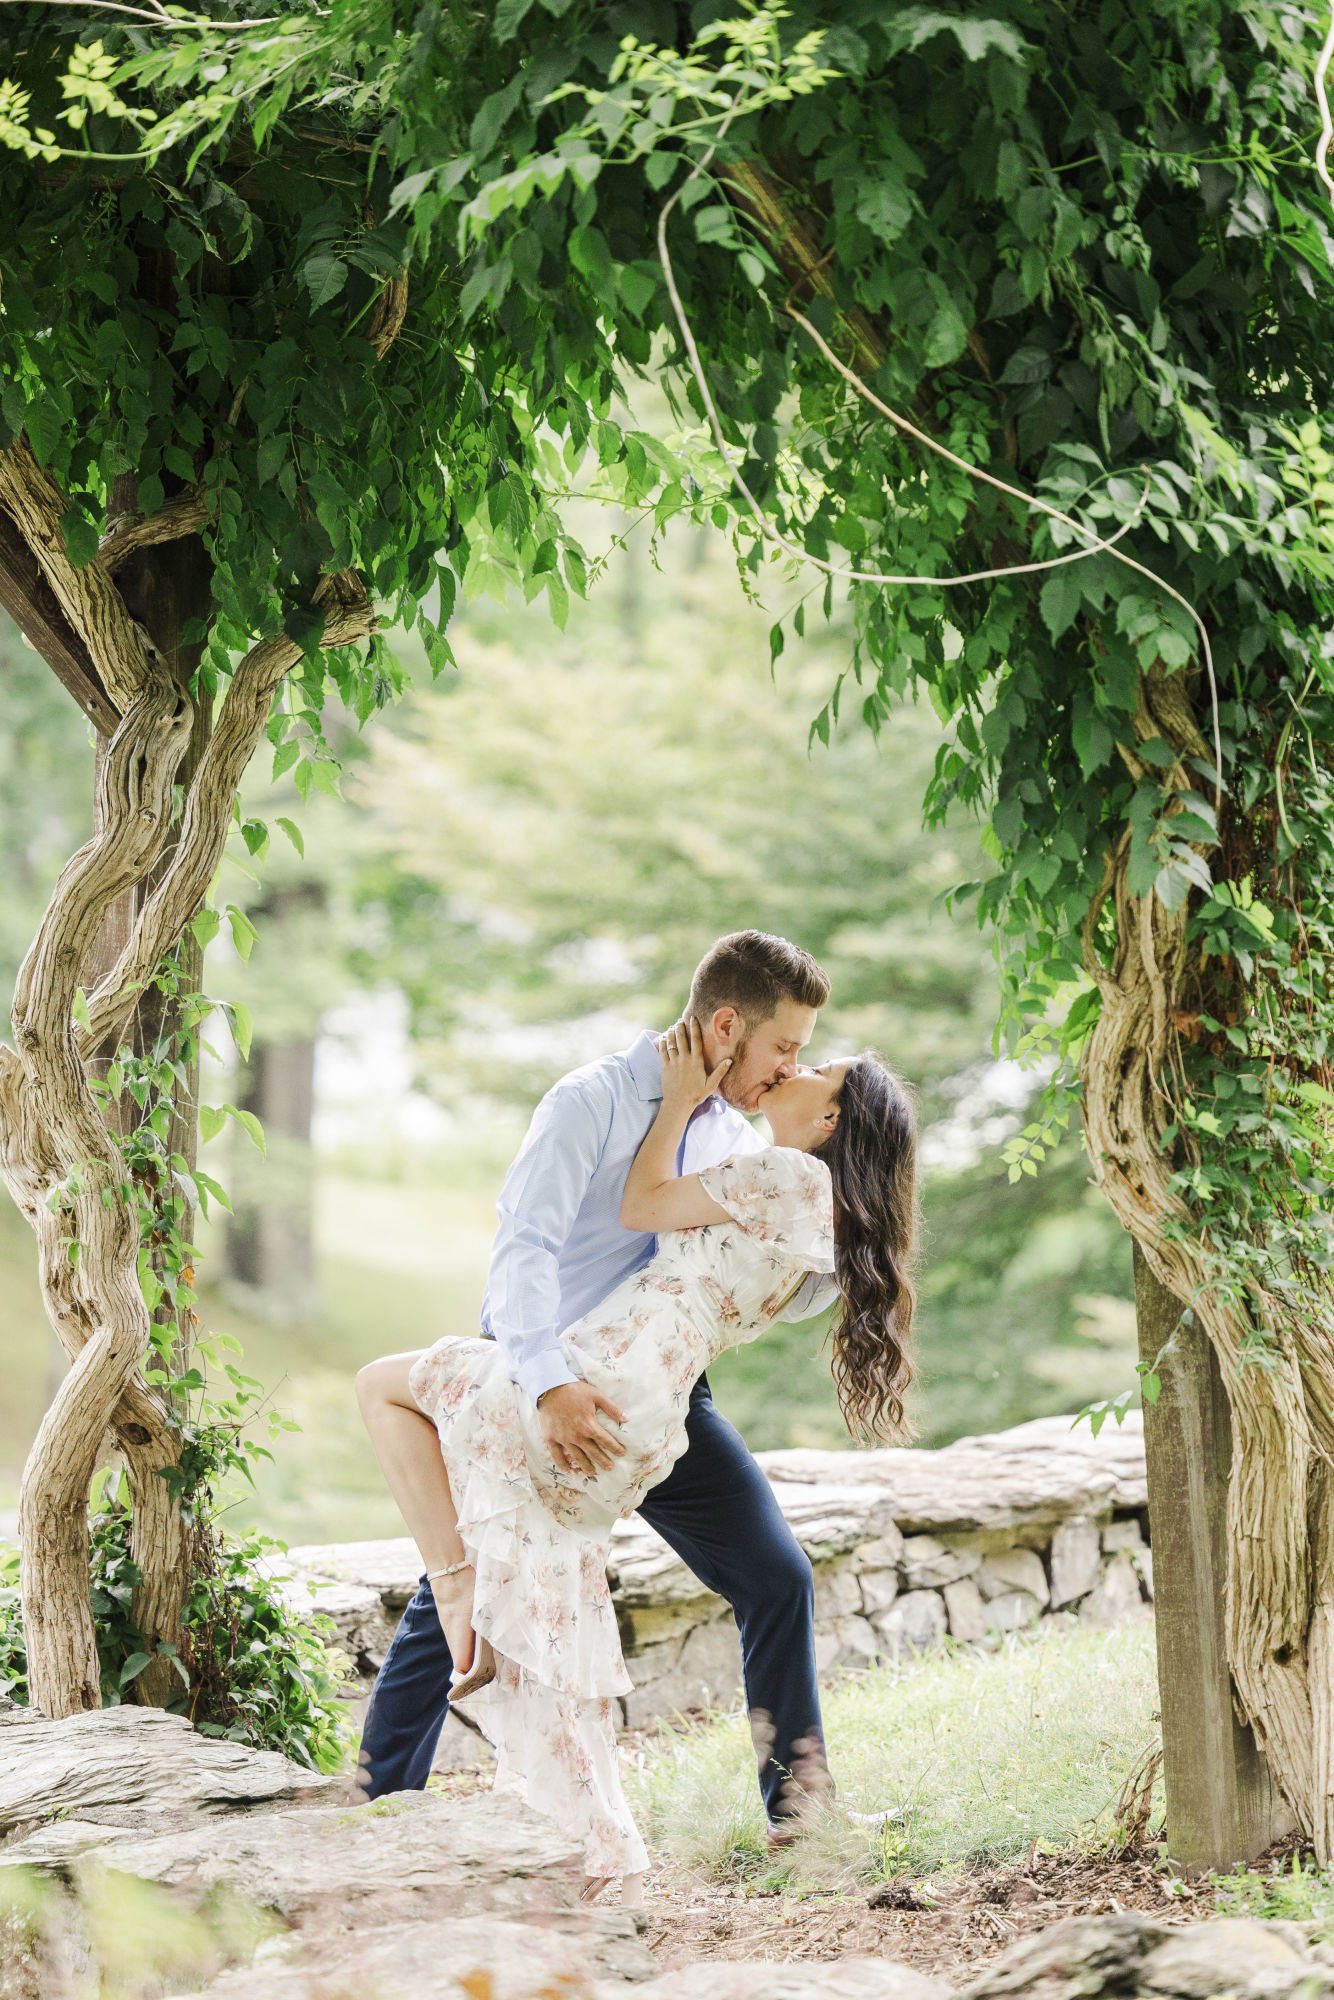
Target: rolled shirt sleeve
818,1292
538,1205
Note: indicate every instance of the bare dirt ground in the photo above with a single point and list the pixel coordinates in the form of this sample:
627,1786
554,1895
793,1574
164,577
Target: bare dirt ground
948,1925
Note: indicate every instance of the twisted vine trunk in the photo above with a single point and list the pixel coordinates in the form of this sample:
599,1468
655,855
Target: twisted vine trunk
166,587
65,1172
58,1158
1280,1591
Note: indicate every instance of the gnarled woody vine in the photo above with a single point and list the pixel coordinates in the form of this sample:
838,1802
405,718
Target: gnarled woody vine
1085,249
58,1159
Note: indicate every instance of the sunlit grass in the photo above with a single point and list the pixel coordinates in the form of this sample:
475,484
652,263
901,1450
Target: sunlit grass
978,1754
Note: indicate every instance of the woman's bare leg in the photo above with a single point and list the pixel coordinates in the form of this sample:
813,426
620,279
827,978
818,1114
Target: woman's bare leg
408,1449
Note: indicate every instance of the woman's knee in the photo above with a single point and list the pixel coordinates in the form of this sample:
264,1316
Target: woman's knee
367,1387
383,1382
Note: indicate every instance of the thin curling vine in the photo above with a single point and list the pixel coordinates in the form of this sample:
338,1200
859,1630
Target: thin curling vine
166,1191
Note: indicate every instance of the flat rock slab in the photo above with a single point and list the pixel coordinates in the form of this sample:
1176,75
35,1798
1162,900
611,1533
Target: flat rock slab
837,1979
405,1859
1084,1957
391,1568
54,1847
1234,1955
829,1516
459,1959
1038,1472
138,1757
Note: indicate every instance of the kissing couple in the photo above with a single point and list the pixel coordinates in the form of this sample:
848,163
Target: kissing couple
645,1227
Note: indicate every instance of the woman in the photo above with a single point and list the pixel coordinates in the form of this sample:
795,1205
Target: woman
515,1548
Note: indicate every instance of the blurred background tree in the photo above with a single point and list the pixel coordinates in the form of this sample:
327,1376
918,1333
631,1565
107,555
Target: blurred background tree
530,857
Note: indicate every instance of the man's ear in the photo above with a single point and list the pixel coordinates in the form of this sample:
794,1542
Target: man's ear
726,1027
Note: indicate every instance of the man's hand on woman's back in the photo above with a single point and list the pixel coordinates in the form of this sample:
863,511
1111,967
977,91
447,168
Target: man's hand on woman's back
568,1416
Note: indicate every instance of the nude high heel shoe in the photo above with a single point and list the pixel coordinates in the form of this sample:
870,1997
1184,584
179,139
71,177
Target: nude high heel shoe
483,1668
482,1672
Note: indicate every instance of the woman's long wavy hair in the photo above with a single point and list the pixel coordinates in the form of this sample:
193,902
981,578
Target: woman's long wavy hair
872,1159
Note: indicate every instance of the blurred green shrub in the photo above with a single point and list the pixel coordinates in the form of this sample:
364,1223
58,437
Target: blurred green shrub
130,1939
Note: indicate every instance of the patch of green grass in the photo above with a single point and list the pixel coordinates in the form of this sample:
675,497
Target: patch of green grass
978,1754
1297,1891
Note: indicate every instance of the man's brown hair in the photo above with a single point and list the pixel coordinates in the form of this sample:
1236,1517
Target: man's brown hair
755,973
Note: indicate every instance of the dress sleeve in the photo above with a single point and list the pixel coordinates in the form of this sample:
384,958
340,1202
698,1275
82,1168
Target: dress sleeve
781,1197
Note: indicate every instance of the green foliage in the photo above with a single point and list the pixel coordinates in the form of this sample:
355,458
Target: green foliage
567,827
46,782
260,1673
13,1656
1296,1892
1150,1389
1095,261
1026,1297
132,1937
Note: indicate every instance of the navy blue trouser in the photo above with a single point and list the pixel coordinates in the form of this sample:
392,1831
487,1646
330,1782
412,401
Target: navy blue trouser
718,1511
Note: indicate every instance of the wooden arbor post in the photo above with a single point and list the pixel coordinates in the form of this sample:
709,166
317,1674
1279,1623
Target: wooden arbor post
1222,1805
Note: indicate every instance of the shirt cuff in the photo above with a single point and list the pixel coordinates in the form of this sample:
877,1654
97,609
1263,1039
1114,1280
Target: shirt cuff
818,1291
547,1370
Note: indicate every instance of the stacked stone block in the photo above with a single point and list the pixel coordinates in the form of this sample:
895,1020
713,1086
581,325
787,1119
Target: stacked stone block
907,1547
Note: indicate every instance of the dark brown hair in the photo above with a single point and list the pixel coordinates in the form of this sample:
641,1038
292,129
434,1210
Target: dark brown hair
755,973
871,1155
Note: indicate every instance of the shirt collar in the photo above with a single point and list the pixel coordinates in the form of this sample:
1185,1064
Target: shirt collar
645,1066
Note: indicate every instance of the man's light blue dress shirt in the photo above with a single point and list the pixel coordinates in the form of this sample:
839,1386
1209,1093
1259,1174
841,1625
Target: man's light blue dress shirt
560,1248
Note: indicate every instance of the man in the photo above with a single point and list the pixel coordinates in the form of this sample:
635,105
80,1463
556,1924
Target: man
559,1251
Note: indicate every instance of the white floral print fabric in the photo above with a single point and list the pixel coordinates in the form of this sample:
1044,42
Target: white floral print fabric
539,1538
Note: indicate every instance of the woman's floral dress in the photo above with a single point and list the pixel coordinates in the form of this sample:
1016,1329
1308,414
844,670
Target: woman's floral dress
539,1538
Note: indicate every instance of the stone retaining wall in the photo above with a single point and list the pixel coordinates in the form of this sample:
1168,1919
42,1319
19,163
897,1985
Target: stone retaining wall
983,1537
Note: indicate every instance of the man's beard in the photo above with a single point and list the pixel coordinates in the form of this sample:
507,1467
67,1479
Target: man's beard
735,1074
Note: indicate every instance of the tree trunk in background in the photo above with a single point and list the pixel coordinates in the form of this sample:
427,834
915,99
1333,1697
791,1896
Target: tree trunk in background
1222,1806
270,1244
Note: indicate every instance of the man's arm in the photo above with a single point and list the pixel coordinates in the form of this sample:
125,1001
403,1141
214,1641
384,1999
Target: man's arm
541,1198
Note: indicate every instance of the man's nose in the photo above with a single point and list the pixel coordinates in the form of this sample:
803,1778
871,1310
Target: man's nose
787,1068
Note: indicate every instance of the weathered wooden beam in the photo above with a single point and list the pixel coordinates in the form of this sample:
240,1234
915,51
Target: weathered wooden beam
1222,1805
31,603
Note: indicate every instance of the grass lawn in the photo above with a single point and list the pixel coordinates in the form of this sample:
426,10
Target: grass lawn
978,1754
